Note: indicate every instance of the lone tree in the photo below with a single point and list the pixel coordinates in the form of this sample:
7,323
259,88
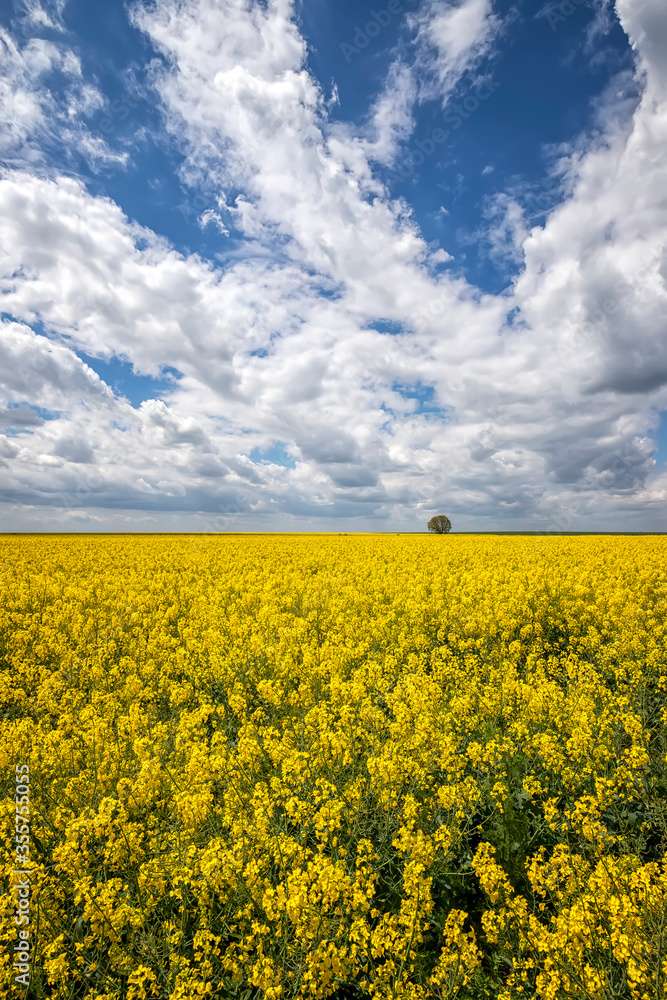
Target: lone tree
440,525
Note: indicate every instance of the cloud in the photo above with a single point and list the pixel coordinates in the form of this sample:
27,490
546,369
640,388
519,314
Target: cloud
452,39
391,117
74,449
47,374
40,115
47,13
19,417
541,400
646,27
448,41
208,217
505,229
594,281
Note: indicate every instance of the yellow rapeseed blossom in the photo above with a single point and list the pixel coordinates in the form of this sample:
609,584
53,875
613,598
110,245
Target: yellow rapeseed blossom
390,767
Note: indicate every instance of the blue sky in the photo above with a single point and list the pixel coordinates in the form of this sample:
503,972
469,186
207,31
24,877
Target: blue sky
317,266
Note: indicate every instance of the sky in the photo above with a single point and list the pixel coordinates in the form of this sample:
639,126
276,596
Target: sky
333,266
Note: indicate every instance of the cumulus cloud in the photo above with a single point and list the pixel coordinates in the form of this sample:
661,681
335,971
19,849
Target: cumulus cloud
388,383
646,27
594,277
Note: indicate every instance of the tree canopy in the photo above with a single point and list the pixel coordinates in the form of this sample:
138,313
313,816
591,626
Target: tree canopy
440,524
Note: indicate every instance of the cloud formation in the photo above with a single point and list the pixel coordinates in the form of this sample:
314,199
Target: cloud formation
452,39
336,339
38,119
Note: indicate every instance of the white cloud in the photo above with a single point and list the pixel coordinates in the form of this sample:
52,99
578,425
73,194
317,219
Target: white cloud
48,14
452,39
594,278
210,217
448,42
38,118
505,229
391,117
646,26
545,414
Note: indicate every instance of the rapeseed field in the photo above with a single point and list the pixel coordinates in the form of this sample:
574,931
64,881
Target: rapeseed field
368,766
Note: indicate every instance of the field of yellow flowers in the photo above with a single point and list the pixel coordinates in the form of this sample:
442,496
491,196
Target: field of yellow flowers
374,766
